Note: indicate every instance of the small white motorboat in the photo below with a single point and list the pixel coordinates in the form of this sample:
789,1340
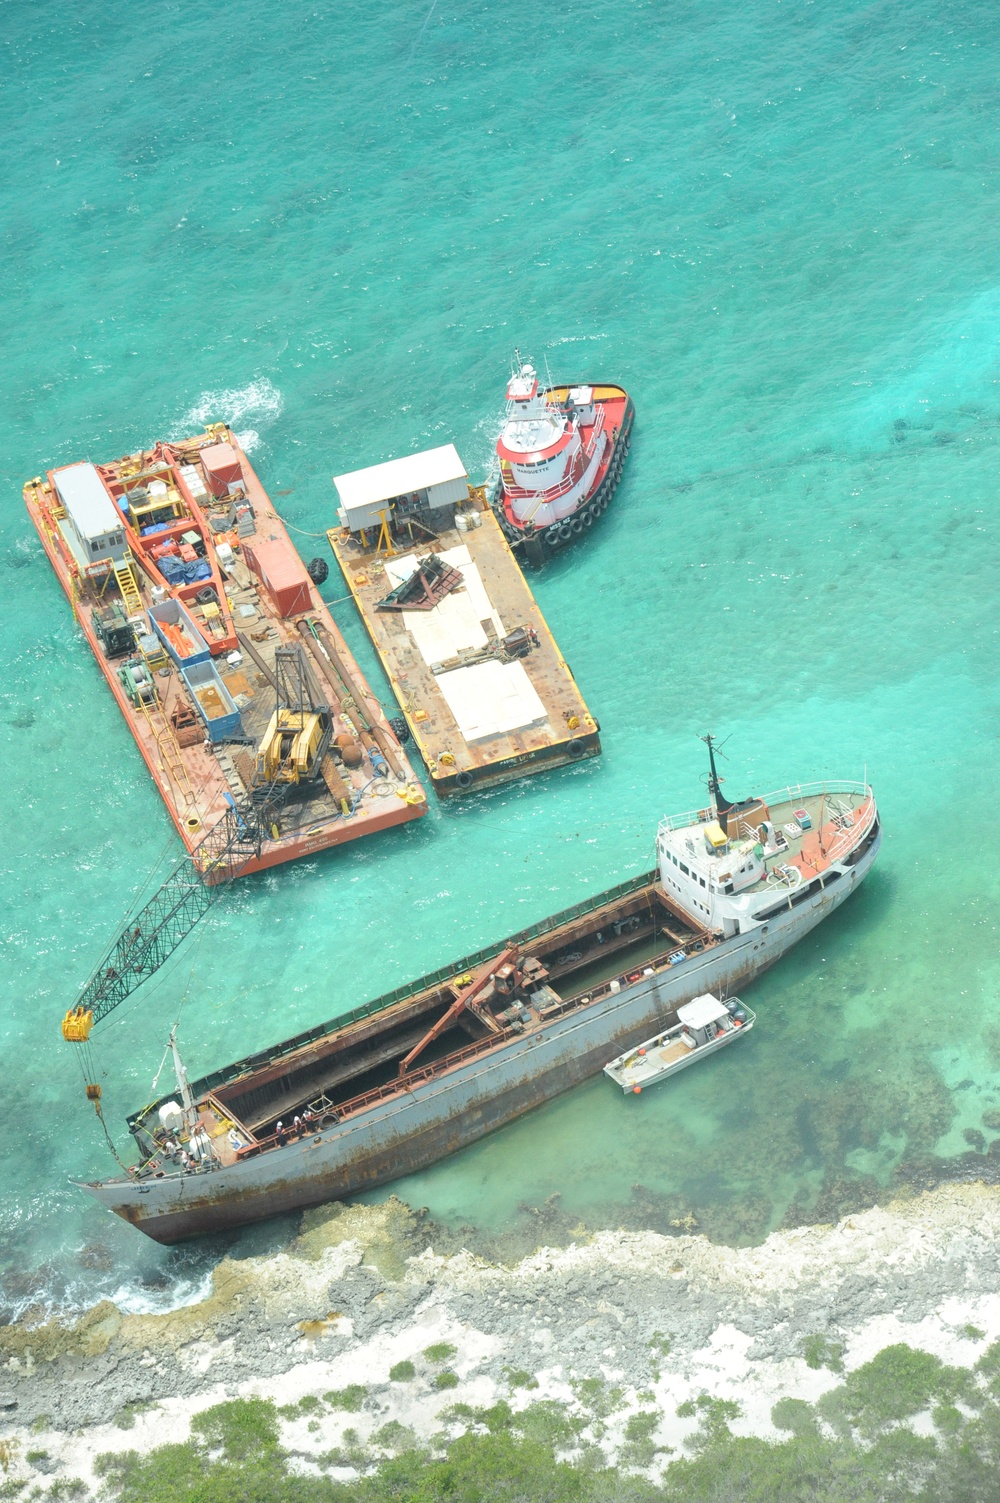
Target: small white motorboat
705,1024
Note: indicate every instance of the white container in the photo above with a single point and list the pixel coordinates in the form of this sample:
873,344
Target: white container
461,521
170,1115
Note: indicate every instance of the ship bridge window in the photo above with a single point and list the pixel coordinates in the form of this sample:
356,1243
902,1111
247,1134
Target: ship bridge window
702,881
685,870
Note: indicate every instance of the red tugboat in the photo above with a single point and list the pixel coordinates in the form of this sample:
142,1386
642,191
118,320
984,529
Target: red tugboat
561,453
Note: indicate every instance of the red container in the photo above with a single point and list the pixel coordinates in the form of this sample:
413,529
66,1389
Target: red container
281,573
222,467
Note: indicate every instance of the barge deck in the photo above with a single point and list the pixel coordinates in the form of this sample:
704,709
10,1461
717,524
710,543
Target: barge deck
483,686
196,679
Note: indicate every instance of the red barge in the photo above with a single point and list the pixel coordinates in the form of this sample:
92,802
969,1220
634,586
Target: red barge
228,668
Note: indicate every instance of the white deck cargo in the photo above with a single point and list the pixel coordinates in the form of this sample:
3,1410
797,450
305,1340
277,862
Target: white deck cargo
486,699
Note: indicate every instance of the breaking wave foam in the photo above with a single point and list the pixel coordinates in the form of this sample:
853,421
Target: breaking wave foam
260,400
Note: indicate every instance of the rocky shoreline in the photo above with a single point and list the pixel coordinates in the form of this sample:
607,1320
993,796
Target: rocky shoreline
361,1291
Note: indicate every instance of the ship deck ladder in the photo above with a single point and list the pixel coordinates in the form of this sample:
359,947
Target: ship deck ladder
125,575
171,761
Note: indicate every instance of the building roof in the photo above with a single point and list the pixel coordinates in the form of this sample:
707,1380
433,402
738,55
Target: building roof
397,477
87,500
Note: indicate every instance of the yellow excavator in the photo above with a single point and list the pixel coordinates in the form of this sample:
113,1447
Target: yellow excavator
298,734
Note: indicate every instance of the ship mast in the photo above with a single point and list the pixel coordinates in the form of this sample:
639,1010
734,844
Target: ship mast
722,805
183,1084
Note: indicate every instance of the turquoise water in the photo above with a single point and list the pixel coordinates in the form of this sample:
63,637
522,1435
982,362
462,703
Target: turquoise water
776,225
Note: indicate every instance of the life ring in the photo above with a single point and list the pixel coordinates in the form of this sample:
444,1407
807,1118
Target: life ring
576,527
464,780
565,532
575,747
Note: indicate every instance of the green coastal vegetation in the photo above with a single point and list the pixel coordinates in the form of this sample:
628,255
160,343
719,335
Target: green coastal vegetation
903,1428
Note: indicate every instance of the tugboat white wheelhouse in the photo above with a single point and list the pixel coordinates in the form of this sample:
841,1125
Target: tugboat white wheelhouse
560,454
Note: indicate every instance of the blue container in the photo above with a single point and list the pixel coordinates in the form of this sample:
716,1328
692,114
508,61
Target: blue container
172,613
213,701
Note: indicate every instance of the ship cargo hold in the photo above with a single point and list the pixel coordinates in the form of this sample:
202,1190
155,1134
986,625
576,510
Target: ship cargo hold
227,666
410,1077
483,687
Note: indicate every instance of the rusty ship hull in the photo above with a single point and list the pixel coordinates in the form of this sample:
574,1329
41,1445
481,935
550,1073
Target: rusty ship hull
624,963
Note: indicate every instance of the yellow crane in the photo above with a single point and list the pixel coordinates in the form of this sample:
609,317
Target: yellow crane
299,732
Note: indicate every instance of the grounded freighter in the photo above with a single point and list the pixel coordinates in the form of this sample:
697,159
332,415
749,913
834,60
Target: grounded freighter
406,1079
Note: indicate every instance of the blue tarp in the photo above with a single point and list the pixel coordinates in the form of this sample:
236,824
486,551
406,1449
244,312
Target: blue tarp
176,572
154,527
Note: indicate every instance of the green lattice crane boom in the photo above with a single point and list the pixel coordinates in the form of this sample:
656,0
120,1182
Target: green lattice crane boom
149,937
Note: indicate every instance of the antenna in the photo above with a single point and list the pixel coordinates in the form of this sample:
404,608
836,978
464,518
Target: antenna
722,805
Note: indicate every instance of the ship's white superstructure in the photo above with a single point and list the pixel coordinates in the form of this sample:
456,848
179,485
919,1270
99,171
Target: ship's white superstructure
736,865
560,454
550,453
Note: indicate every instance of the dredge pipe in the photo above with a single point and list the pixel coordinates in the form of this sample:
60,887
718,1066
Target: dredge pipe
247,646
351,711
370,732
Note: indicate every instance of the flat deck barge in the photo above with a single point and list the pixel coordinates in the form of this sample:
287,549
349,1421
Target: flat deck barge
196,676
485,691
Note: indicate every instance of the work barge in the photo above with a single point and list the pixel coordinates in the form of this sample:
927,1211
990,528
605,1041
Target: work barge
229,670
484,690
390,1087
